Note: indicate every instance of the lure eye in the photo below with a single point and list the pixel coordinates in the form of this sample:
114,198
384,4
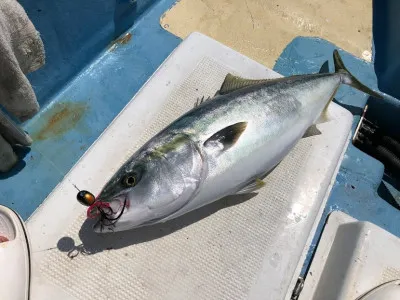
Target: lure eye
85,198
130,180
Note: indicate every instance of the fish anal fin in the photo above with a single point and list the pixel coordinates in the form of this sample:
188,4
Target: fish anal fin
324,117
311,131
233,83
226,137
252,186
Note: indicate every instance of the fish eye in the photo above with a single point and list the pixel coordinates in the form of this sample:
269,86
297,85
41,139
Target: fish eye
130,180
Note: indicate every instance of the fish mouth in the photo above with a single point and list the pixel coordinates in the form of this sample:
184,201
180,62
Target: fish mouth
108,213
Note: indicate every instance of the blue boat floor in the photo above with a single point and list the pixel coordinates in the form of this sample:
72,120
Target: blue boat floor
361,189
76,116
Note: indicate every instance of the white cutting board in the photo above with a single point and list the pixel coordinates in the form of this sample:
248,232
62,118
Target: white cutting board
232,249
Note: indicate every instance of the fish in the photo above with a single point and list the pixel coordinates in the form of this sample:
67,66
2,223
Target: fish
223,146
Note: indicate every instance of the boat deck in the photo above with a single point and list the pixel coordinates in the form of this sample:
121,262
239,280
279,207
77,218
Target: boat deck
99,55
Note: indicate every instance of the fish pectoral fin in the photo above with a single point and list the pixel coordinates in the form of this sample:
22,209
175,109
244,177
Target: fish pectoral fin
226,137
311,131
252,186
233,83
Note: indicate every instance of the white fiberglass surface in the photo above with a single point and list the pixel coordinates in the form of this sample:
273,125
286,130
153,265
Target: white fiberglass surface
243,247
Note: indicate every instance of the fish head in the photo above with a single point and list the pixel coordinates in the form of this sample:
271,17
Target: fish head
154,183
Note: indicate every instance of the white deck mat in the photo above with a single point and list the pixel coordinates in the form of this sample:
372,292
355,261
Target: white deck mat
232,249
352,258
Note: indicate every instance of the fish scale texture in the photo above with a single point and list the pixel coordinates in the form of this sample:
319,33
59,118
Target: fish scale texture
215,252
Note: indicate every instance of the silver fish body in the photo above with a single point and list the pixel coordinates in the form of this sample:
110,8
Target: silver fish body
222,147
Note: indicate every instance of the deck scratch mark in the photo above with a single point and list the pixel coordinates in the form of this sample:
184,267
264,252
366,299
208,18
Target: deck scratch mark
208,6
251,15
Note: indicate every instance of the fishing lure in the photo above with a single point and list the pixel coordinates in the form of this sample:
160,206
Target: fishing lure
96,208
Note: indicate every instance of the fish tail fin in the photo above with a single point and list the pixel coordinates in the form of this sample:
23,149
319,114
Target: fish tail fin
349,78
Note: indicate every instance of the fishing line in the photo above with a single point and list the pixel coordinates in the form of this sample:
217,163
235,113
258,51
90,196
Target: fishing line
103,208
105,211
95,208
55,167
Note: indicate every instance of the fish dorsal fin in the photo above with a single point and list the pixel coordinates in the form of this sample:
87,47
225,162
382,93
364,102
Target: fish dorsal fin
324,68
201,100
225,138
233,83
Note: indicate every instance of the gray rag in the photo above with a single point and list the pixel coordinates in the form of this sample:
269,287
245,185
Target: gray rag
21,52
